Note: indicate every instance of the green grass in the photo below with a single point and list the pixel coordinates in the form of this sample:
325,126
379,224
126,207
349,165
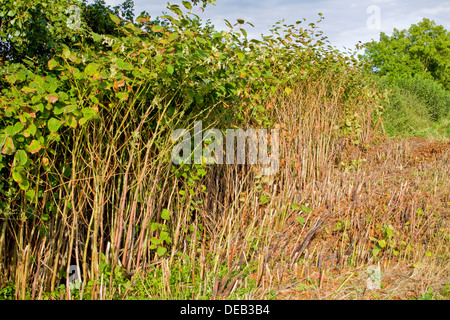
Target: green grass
416,107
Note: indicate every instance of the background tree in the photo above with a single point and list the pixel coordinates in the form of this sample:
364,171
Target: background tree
413,65
33,30
421,51
36,31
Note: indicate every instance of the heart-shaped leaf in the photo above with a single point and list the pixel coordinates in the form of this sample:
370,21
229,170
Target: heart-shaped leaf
54,124
8,147
34,146
165,214
169,68
21,157
52,63
161,251
90,69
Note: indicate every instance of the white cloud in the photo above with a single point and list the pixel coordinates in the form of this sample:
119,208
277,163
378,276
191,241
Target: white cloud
435,11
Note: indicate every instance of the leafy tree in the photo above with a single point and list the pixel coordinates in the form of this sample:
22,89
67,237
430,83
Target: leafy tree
421,51
97,18
33,30
38,30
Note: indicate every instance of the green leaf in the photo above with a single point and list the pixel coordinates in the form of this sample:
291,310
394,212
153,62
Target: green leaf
157,28
54,124
34,146
165,214
241,56
375,251
28,90
306,209
175,8
21,157
8,147
164,235
66,53
71,122
52,98
17,128
389,232
52,63
295,206
161,251
201,69
114,18
2,139
94,99
24,185
155,241
122,95
30,195
11,79
382,243
17,175
228,23
96,37
123,65
338,226
141,19
89,112
300,220
241,21
169,68
264,199
187,5
91,68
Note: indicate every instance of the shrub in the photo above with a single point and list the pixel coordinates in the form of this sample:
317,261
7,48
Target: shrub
85,139
415,105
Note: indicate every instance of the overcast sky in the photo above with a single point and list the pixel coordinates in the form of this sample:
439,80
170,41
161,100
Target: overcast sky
346,21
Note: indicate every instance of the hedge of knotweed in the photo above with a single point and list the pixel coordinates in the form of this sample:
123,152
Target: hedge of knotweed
80,137
191,66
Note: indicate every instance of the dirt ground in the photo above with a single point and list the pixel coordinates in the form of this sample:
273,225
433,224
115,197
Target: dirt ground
410,171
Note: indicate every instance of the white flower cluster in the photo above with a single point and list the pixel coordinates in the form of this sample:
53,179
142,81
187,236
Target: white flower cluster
109,41
112,68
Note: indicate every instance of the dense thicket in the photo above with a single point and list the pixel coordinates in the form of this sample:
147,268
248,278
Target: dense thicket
86,118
